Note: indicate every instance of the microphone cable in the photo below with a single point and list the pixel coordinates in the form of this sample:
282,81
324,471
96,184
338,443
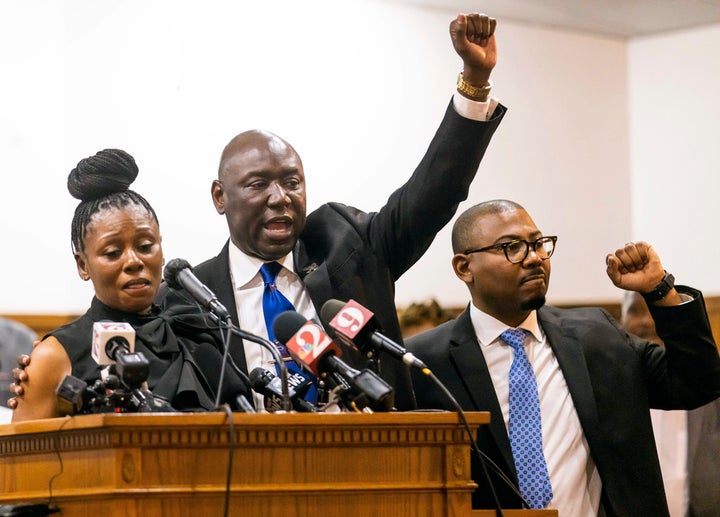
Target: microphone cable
41,508
225,337
231,451
226,359
53,508
282,367
484,459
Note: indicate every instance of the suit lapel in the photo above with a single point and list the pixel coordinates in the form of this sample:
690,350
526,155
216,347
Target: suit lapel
219,282
564,339
315,277
472,372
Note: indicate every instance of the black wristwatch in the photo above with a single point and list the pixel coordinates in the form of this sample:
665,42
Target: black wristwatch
661,290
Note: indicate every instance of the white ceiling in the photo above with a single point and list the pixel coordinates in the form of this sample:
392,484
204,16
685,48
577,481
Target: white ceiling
619,18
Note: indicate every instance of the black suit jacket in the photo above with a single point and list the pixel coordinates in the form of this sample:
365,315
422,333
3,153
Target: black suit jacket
345,253
613,378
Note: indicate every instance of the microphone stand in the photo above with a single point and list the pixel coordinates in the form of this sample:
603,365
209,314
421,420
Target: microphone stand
282,367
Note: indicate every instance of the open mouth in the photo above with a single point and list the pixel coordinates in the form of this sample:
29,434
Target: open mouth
280,226
139,283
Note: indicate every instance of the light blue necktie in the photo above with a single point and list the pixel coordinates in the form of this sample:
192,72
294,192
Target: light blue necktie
275,303
525,426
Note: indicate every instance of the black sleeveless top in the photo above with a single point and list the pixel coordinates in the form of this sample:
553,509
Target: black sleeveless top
183,351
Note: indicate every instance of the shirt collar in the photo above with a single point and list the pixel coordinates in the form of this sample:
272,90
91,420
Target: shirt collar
488,329
245,268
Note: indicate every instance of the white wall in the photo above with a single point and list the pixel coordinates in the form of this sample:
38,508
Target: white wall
358,87
674,116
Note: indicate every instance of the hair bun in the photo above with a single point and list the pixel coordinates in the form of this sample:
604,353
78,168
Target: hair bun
107,172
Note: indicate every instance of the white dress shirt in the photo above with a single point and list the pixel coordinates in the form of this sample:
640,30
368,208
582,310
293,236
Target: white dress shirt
248,287
575,480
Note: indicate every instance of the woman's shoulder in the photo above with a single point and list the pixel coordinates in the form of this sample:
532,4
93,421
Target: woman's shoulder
48,366
49,349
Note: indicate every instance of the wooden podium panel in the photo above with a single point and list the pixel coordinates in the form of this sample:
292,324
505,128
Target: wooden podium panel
284,465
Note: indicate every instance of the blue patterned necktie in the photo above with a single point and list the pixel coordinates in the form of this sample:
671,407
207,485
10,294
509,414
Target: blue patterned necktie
525,426
274,303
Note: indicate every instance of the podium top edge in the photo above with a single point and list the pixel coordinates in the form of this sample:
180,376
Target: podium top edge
342,420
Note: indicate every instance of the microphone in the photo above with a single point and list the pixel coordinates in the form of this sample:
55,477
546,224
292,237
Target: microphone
357,327
269,385
71,395
178,275
312,347
114,343
108,336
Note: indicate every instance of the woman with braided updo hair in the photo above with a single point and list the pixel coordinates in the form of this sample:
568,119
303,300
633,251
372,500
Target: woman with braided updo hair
116,243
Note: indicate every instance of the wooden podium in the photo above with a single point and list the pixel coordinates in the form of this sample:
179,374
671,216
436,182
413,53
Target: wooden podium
284,465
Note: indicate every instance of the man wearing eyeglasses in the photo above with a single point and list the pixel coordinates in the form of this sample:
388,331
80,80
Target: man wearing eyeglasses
569,391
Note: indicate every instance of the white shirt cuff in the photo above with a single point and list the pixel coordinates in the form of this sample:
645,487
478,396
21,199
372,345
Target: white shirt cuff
685,298
474,110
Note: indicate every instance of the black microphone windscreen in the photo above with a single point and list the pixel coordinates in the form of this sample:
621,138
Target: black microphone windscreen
257,377
116,346
287,324
330,309
172,269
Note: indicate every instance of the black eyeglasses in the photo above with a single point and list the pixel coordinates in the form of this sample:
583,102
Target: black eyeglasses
517,250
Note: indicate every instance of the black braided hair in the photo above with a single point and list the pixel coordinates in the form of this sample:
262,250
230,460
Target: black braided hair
101,182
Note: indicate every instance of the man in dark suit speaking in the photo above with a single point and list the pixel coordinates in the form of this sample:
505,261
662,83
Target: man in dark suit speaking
569,391
338,251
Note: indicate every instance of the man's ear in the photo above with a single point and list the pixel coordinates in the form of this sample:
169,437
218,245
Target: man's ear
217,193
460,267
81,264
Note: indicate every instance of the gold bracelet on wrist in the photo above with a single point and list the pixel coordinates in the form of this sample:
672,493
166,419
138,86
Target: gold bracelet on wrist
473,92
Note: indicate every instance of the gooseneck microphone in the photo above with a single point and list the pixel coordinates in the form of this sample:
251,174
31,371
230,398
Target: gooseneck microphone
312,347
179,275
358,328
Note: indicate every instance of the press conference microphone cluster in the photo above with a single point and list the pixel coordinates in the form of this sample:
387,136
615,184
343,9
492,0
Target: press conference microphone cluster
356,326
179,275
310,346
120,388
